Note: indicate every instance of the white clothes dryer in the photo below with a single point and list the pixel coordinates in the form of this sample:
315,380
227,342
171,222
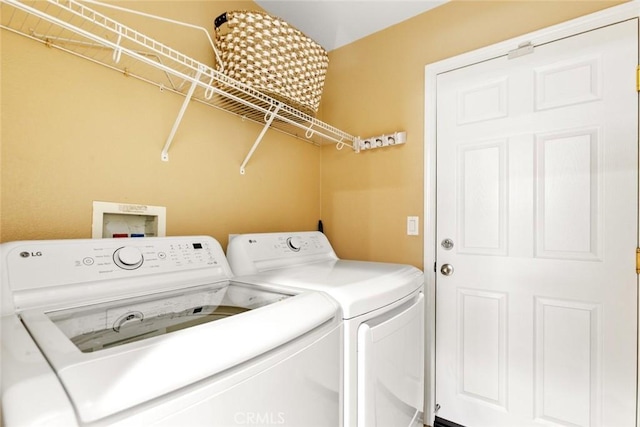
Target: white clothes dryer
383,311
154,331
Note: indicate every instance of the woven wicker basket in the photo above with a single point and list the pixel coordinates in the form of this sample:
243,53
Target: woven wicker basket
271,56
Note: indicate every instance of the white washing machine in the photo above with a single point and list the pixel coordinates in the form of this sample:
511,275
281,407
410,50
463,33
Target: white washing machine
155,331
383,310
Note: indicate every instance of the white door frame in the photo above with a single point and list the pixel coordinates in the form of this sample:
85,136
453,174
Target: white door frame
589,22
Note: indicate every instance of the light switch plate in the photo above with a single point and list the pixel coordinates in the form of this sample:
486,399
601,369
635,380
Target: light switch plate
413,226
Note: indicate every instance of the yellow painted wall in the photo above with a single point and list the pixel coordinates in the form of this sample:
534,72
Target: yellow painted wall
74,132
376,86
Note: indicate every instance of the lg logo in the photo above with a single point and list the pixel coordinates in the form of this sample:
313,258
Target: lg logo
28,254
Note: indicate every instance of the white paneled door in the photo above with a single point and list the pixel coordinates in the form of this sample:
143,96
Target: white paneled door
537,213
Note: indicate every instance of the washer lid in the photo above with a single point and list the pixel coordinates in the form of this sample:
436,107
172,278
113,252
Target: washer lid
359,286
102,383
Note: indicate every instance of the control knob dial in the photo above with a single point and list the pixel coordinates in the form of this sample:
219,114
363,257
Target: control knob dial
294,243
128,258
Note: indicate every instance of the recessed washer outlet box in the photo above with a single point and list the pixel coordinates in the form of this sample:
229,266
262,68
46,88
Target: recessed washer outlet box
113,220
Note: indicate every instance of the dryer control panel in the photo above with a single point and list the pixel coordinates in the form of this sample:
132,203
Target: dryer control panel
254,253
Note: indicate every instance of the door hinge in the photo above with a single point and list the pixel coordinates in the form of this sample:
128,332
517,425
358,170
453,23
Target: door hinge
523,49
637,260
638,78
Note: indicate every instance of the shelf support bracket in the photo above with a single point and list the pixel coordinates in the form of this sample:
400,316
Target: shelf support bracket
165,150
268,120
117,52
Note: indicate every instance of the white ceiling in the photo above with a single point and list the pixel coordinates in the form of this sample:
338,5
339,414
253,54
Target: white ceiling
335,23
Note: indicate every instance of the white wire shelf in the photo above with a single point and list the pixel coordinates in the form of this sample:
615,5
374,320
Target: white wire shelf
73,27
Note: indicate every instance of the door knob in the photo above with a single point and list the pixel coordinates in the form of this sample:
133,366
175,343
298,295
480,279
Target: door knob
446,270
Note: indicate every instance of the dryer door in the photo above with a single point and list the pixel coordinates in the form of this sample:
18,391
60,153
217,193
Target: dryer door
391,367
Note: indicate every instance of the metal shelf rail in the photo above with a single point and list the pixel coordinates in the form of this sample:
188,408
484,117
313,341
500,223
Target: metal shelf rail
73,27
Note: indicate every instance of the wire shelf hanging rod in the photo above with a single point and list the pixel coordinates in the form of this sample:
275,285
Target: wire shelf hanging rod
160,18
48,18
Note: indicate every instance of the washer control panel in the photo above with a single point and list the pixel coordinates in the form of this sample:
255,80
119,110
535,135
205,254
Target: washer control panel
38,264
